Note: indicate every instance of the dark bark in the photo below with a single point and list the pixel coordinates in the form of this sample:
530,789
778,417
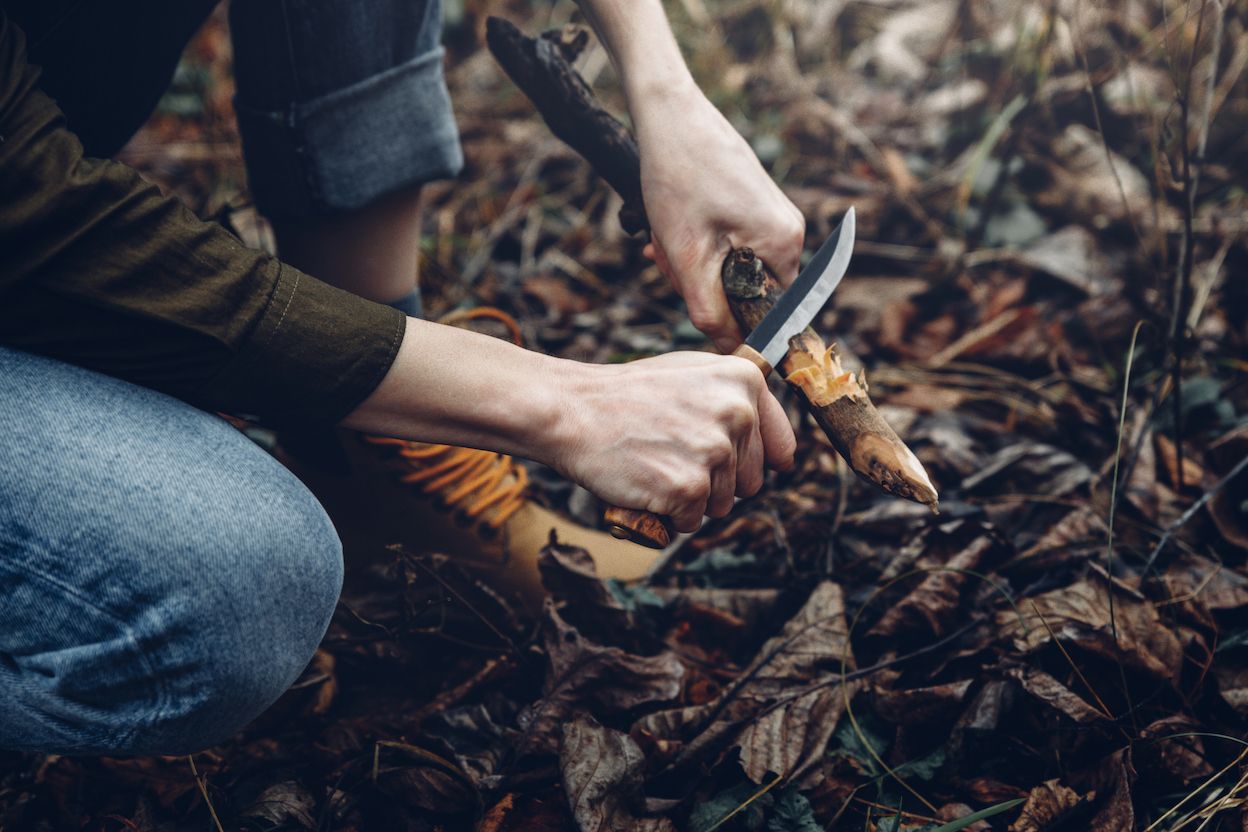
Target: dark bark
541,67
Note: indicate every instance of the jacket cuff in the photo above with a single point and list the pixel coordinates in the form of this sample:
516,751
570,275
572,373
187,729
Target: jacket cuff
316,353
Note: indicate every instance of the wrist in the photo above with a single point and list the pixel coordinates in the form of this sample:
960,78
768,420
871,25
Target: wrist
637,36
557,411
660,88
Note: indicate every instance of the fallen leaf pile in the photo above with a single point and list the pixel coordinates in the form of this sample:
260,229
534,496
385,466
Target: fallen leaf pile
1065,647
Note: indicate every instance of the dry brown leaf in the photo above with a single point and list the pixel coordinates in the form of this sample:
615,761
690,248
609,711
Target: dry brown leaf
602,776
1198,587
1226,508
1052,692
1081,526
1073,255
568,574
1193,474
934,603
987,790
1114,780
1046,806
1233,685
583,673
783,707
914,706
1179,757
1080,614
726,614
493,819
282,805
1094,184
323,668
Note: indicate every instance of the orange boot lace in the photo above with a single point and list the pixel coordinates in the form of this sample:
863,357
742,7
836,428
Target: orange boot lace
471,480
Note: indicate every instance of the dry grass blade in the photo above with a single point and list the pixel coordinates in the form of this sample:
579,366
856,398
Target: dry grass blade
1113,511
1192,794
745,804
1074,667
203,790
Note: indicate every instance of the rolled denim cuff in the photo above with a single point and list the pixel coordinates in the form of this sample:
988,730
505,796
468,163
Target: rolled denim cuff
345,149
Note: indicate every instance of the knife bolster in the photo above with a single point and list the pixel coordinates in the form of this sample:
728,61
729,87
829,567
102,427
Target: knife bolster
754,357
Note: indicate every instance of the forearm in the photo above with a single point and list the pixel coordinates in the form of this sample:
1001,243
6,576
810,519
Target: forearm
460,387
640,41
705,191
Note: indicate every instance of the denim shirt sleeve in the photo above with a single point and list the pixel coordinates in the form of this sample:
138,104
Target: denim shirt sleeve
97,268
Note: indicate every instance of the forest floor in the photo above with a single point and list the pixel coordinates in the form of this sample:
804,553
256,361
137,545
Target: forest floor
1048,296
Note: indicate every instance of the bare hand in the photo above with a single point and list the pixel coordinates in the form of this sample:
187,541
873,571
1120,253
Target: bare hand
705,193
680,435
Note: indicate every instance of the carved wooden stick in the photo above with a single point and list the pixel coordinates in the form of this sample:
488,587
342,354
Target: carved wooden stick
838,400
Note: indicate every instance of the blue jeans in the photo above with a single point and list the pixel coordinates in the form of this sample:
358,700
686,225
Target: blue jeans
339,101
162,579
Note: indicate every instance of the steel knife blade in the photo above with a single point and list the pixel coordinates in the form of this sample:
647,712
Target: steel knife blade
800,303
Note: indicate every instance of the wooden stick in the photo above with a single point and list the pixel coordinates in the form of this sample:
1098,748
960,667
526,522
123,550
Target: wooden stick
838,400
542,69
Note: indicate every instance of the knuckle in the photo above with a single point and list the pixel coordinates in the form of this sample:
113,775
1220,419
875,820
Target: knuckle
746,373
705,320
690,489
738,415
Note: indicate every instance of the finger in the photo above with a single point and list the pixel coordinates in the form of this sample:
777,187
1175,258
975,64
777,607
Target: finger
648,252
691,508
723,486
779,444
709,312
750,463
660,257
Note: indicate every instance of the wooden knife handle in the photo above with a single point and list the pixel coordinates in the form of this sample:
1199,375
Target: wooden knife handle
647,528
642,527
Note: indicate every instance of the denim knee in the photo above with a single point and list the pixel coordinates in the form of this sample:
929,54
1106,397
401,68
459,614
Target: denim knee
268,614
162,579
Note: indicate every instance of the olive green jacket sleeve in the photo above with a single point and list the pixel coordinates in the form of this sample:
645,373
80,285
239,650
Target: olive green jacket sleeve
97,268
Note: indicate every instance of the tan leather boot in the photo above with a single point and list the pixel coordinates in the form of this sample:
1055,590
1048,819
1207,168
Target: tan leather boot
464,502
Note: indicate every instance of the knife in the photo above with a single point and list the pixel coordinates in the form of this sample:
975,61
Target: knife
765,346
